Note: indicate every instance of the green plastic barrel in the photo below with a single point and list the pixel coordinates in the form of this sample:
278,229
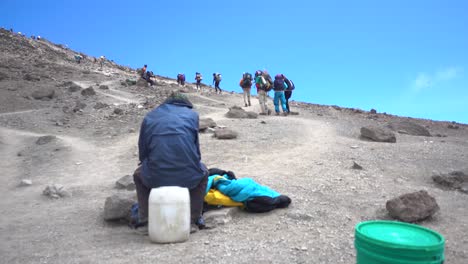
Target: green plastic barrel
391,242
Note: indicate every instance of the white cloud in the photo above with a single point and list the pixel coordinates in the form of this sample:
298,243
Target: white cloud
448,73
424,81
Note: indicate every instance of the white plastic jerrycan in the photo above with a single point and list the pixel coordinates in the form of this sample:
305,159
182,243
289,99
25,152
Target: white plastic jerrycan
169,214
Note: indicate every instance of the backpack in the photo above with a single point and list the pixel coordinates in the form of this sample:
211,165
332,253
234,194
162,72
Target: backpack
279,84
182,77
269,82
198,77
247,80
290,84
218,77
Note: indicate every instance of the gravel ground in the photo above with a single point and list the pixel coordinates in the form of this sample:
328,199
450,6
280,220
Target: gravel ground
307,157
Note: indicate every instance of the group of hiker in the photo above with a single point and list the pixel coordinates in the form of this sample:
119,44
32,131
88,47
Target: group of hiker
281,85
147,75
264,83
217,77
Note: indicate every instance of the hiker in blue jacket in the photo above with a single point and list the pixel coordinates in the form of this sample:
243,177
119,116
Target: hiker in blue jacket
169,153
279,86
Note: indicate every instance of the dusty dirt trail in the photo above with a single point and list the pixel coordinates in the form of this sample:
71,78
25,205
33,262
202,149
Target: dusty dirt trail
120,96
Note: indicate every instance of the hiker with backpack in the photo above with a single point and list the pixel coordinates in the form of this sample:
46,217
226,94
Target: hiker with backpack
78,58
148,76
169,155
263,87
246,84
198,78
181,79
216,80
288,91
279,86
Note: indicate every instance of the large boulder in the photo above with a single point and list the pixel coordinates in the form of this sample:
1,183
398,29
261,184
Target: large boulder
410,128
225,133
88,92
31,78
205,123
126,182
100,105
118,206
3,76
74,88
142,82
238,112
43,94
456,180
412,207
45,139
378,134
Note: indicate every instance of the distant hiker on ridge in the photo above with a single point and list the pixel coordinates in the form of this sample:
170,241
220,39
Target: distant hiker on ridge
198,78
101,62
143,71
216,80
246,84
145,74
181,79
279,86
78,58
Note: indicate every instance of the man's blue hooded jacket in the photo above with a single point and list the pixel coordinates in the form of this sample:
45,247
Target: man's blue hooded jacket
168,146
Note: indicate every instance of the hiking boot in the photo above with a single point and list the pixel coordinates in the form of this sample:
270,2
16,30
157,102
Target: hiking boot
277,113
142,230
285,113
245,105
193,228
262,114
249,104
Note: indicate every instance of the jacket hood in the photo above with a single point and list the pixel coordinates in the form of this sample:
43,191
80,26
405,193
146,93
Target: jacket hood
180,101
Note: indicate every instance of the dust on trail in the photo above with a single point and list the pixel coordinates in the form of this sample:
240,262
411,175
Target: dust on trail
22,112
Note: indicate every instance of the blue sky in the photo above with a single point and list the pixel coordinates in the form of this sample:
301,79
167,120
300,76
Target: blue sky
408,58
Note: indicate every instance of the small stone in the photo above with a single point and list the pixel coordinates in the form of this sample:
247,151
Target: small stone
303,248
55,191
118,111
25,182
356,166
354,147
131,130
